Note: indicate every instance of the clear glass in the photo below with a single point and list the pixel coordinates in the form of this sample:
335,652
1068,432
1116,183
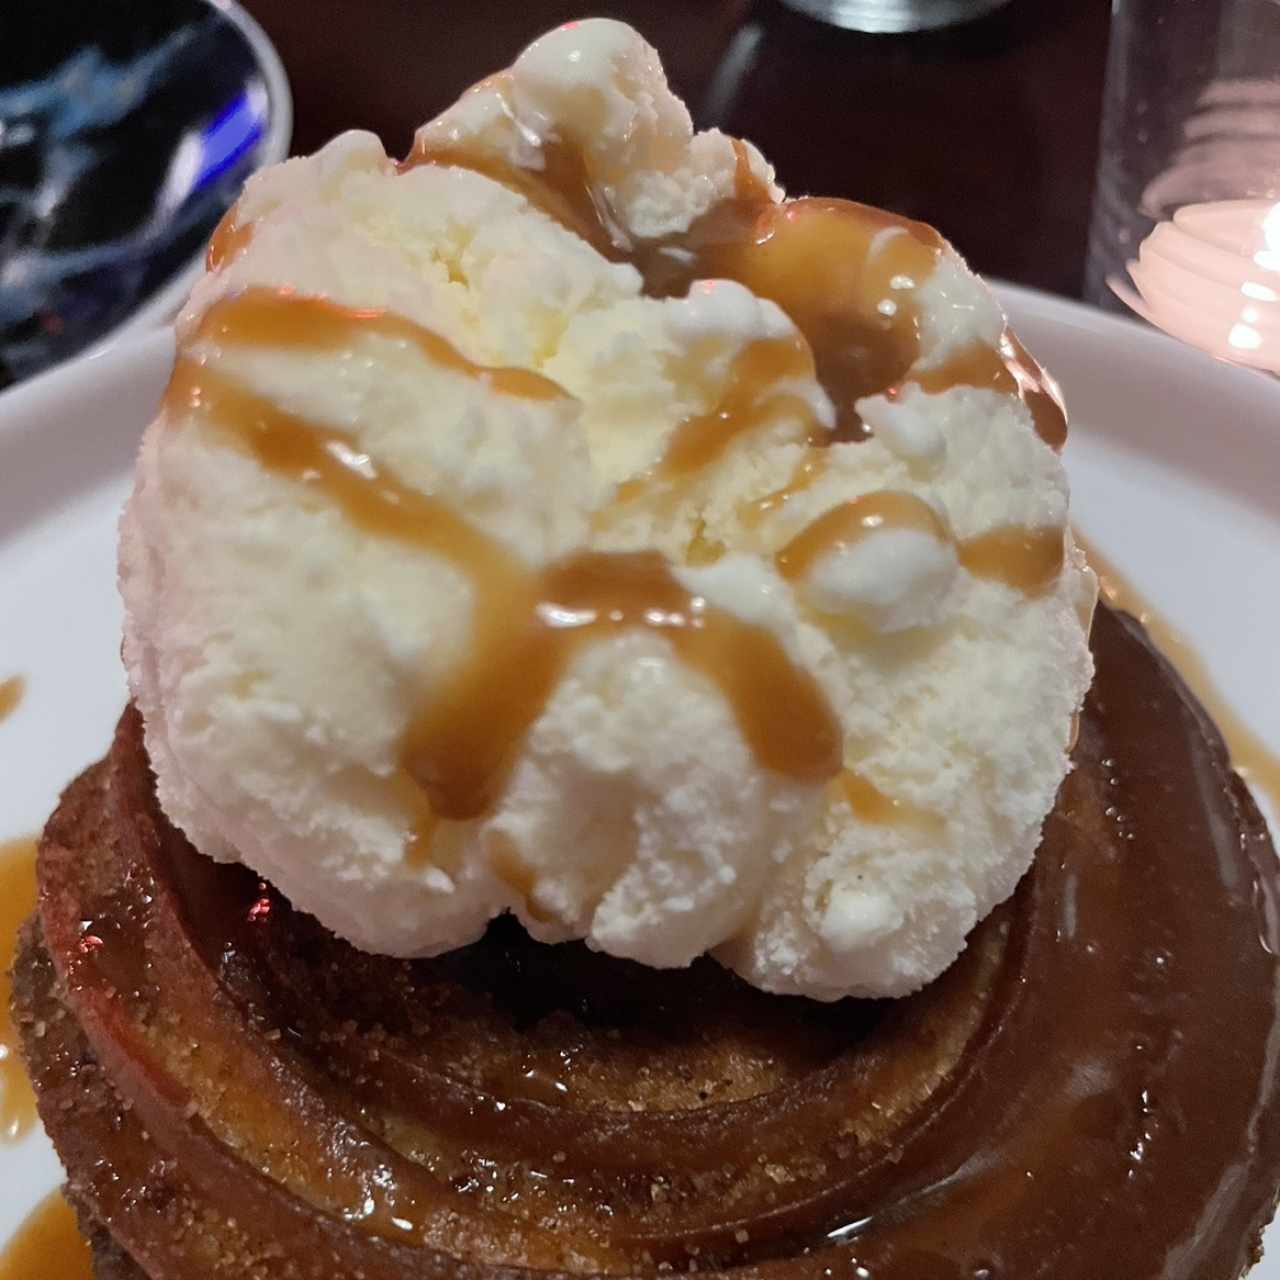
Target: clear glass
894,15
1184,227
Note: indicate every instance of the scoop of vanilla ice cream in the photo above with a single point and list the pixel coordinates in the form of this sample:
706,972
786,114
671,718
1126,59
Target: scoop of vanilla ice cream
277,651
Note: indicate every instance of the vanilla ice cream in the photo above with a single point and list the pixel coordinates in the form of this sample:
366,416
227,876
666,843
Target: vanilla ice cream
487,557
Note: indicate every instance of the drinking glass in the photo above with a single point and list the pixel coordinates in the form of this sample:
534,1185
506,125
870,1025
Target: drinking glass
894,15
1185,226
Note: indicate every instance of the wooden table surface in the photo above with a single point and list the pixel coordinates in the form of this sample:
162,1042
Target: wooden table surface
987,130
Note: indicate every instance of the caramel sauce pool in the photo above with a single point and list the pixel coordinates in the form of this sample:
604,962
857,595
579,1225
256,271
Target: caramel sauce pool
17,902
47,1246
11,691
1251,757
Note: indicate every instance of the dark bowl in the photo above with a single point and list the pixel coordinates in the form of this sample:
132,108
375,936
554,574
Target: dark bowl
127,129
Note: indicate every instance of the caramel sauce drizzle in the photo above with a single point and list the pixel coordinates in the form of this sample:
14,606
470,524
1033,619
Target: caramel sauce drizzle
279,318
1029,560
748,403
526,624
748,188
872,805
560,186
848,276
1011,370
851,522
845,273
802,479
11,692
512,870
47,1245
424,822
17,902
1039,391
229,240
1251,757
754,397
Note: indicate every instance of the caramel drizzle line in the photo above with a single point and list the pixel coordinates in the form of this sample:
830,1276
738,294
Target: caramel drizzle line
846,275
526,625
1039,391
11,694
851,522
280,318
229,240
802,479
754,397
1011,370
872,805
747,187
1027,559
703,439
563,187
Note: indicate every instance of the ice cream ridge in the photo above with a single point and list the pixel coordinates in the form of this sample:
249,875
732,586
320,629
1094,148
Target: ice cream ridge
562,522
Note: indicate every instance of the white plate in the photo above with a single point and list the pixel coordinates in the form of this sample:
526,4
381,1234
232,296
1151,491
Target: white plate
1175,462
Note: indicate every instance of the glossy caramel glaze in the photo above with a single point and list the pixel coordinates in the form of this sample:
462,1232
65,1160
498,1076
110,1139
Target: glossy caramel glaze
1029,560
1012,370
755,395
48,1246
560,185
230,238
851,522
858,310
847,274
871,804
1058,1104
282,319
17,899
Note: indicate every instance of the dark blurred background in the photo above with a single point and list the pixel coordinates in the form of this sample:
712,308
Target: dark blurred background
988,130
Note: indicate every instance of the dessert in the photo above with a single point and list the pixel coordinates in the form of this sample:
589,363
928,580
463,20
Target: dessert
561,523
605,641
